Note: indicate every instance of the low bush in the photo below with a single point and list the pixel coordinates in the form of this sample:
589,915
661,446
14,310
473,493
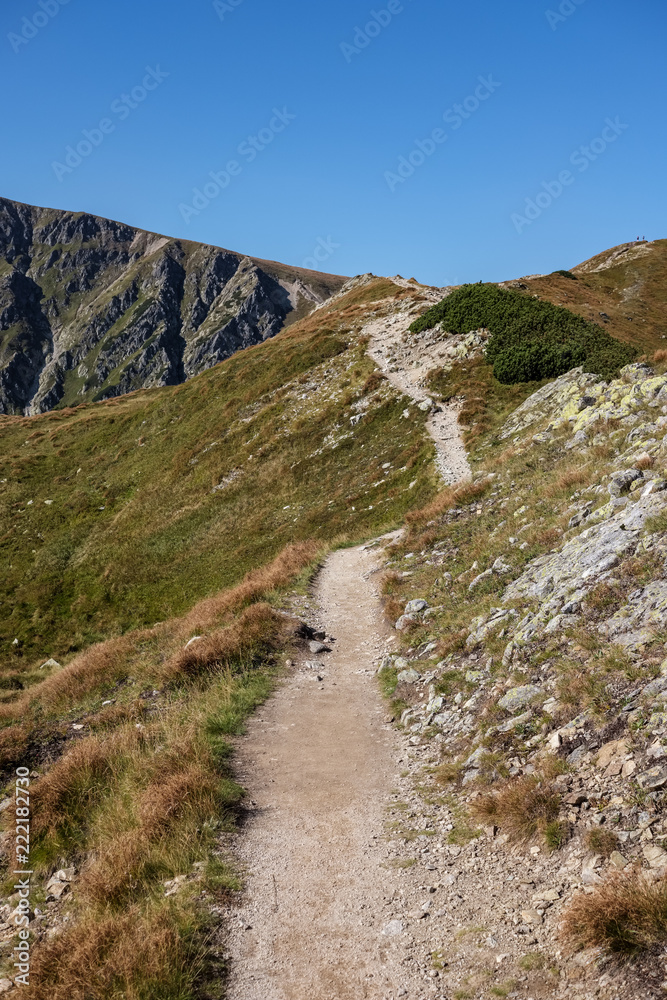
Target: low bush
530,339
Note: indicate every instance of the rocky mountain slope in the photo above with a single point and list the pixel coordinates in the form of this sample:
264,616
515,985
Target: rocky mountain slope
160,549
91,308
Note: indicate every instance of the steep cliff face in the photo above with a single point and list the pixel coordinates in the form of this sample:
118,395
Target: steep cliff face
91,308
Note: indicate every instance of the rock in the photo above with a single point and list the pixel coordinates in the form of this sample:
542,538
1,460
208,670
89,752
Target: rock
65,875
404,622
408,677
555,741
480,579
656,856
393,928
621,481
318,647
654,778
655,486
476,756
610,750
582,562
56,890
6,985
519,720
425,406
575,799
550,895
414,607
633,625
655,687
531,917
50,665
501,567
618,861
590,877
519,697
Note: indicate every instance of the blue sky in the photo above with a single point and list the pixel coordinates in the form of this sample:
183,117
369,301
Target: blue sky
305,122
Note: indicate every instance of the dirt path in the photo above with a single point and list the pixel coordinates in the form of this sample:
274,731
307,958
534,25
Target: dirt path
319,763
406,364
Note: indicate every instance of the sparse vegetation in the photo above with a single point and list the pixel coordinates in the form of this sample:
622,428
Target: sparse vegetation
523,807
625,915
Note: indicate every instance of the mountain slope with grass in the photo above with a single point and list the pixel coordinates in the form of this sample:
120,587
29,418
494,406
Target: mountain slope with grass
159,553
91,309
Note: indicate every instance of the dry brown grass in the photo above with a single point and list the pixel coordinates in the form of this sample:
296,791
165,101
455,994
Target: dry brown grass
660,357
258,631
255,585
624,915
645,462
108,662
134,956
570,478
67,790
455,496
601,841
523,807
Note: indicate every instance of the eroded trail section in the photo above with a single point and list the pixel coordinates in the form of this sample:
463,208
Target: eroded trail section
318,767
406,363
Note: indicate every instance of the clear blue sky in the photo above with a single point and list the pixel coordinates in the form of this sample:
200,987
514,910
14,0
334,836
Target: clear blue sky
328,178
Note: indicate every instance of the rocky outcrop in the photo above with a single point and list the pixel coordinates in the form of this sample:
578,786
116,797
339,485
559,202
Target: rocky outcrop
91,308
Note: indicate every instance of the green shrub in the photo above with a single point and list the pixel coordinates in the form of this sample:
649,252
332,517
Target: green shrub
530,339
566,274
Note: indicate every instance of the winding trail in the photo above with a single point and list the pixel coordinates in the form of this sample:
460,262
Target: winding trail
406,364
318,763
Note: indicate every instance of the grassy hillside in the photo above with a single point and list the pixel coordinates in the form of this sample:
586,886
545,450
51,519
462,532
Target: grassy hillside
119,514
628,283
129,528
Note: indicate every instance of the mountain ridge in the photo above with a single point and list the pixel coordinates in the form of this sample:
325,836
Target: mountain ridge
92,308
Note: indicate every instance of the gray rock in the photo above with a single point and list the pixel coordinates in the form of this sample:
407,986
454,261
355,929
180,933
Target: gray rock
583,560
393,928
479,579
404,621
408,677
500,566
519,720
317,647
654,778
476,756
50,665
655,687
621,482
414,607
519,697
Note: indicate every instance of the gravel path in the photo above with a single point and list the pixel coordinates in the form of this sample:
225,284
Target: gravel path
406,364
319,764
